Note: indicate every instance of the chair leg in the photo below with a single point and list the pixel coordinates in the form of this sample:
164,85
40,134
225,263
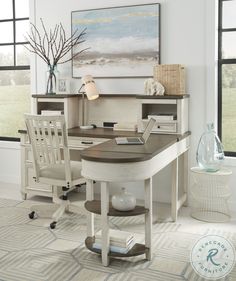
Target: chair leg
61,210
58,214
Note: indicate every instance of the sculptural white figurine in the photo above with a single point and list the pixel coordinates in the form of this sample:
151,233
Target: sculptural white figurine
152,87
159,88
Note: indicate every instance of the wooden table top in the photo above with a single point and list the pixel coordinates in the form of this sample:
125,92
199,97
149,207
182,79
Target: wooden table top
110,152
107,133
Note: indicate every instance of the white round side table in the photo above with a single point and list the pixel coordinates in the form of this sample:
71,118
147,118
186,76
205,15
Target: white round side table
210,193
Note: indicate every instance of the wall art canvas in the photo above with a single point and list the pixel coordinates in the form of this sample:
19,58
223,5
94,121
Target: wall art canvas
122,41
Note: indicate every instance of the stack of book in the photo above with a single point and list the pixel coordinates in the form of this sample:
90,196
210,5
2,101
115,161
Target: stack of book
163,117
120,241
52,112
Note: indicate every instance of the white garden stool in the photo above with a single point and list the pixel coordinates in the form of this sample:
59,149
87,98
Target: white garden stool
210,193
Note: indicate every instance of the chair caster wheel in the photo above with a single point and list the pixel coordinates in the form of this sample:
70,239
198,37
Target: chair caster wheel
53,225
31,215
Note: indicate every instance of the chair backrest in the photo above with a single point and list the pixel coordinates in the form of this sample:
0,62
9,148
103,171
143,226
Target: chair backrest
49,142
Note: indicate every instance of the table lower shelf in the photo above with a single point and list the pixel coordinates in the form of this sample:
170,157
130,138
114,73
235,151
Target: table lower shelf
94,206
137,249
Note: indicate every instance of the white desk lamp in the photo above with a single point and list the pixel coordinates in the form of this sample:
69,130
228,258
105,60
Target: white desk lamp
89,88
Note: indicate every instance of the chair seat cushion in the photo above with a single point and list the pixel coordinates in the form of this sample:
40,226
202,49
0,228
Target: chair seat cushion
57,171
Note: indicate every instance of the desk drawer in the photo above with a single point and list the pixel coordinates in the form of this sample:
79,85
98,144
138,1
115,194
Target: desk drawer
160,127
165,127
74,144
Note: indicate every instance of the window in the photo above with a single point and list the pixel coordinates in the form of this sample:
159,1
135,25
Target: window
227,75
14,67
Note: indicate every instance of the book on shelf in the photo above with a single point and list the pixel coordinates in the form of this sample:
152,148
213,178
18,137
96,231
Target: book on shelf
116,243
163,117
117,249
121,238
52,112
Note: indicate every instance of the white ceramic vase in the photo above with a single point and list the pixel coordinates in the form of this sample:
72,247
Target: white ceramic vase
123,201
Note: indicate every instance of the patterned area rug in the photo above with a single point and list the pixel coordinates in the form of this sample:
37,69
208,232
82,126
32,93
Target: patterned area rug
31,251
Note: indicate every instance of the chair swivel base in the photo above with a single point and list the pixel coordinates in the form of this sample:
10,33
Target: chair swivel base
32,216
54,211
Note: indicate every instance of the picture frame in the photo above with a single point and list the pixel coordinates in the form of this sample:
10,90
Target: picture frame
122,41
63,86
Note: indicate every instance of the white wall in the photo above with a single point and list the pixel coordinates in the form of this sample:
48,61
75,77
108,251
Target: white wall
188,37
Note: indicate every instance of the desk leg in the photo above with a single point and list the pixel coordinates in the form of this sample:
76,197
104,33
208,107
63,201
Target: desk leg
105,222
148,217
90,216
185,176
174,193
24,168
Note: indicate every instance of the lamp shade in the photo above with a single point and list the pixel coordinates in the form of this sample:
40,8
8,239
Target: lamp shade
90,87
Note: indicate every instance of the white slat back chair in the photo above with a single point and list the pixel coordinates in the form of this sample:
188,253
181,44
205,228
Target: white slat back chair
51,157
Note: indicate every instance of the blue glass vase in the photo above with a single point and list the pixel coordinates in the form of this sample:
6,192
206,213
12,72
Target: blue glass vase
51,80
210,154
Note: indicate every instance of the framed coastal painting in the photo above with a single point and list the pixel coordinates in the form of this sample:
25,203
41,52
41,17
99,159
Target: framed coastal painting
122,41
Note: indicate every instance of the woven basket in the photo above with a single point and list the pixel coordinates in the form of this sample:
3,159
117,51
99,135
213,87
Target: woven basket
172,77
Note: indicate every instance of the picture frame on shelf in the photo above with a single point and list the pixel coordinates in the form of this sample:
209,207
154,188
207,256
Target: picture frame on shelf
108,33
63,86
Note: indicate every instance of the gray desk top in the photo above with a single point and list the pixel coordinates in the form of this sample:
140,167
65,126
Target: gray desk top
100,133
106,133
110,152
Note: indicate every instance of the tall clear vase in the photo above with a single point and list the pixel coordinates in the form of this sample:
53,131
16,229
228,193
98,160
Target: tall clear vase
210,153
52,75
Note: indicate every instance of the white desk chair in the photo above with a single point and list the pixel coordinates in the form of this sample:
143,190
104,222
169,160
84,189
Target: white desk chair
51,159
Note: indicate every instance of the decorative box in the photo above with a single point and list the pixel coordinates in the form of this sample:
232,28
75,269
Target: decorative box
172,77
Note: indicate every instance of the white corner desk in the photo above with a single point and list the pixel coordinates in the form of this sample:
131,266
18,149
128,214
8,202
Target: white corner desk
109,162
104,161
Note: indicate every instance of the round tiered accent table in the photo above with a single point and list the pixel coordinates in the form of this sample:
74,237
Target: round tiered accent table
210,193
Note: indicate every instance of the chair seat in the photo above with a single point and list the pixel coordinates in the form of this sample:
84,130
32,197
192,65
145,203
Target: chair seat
57,171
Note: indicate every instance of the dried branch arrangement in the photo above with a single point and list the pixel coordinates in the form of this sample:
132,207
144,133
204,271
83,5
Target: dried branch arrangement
53,46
